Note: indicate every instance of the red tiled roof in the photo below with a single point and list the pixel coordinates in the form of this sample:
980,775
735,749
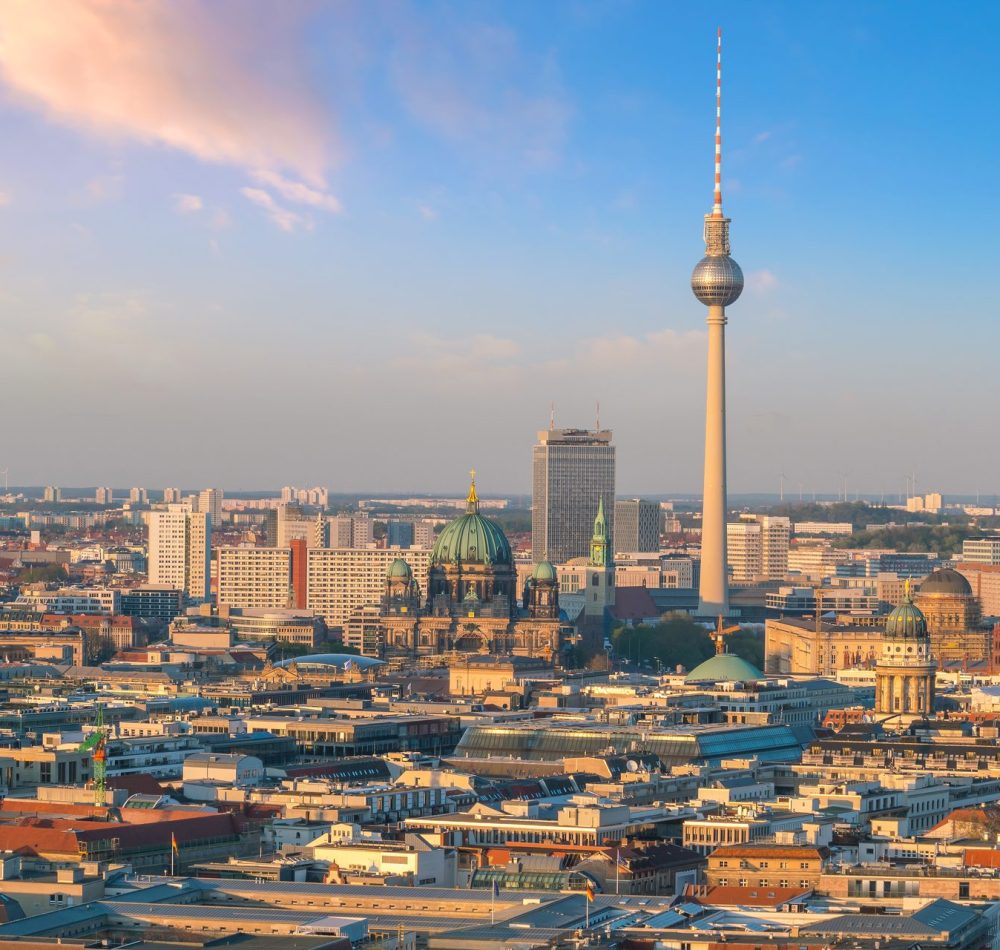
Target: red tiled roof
768,851
747,896
981,858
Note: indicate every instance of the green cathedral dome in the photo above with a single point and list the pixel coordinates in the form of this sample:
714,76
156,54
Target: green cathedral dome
399,569
472,539
906,622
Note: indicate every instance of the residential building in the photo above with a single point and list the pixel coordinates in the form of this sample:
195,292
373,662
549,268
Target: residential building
179,550
351,531
981,551
210,503
757,547
340,581
139,496
399,534
294,523
254,577
573,469
103,496
171,496
52,495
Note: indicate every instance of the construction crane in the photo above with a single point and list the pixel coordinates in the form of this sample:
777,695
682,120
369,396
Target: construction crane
96,743
720,633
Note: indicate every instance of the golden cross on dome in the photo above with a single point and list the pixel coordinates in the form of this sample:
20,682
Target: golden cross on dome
473,498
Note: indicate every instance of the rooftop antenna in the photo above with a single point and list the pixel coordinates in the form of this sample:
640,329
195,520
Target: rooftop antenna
781,487
598,415
717,205
552,415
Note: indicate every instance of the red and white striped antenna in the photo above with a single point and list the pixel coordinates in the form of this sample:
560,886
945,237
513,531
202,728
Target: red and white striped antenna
717,207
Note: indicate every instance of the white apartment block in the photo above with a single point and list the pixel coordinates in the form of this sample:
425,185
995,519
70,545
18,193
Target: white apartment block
293,525
823,527
351,531
103,496
341,581
981,551
138,496
74,600
179,550
171,496
210,503
757,547
254,577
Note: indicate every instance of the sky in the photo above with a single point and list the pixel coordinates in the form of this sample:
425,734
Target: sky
368,244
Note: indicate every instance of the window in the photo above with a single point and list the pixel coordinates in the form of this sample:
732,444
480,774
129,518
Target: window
743,882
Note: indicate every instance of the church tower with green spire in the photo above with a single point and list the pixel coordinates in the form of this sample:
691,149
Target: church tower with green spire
601,568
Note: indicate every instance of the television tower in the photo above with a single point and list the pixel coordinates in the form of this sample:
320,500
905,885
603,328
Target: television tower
717,282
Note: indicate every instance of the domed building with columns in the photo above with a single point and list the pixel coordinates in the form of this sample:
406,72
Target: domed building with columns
904,673
954,620
472,604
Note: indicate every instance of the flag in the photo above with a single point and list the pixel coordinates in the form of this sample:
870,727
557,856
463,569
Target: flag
347,665
173,843
496,888
590,893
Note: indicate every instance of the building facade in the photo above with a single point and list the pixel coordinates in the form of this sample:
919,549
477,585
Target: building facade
571,470
179,550
637,526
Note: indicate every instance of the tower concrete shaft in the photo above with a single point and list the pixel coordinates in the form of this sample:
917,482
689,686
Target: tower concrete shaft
717,282
714,591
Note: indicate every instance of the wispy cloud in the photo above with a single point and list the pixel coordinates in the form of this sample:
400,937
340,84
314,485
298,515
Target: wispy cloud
761,281
297,192
221,81
4,198
284,218
473,84
188,204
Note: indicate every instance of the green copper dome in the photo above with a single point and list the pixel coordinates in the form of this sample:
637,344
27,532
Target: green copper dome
906,622
544,571
472,539
724,668
399,569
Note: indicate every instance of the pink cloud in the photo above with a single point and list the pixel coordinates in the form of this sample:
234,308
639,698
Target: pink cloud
282,217
221,81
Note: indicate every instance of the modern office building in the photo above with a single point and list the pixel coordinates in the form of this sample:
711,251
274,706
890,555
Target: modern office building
180,543
717,282
573,470
399,534
153,602
637,526
251,577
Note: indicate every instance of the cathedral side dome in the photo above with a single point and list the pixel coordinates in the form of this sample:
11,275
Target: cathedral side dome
945,581
399,570
472,539
544,571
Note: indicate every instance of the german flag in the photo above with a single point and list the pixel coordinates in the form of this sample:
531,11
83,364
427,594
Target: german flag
590,893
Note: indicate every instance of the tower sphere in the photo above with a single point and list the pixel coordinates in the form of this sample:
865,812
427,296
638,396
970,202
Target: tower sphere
717,281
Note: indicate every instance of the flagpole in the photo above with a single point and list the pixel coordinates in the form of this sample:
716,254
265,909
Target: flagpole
493,903
618,874
173,852
586,901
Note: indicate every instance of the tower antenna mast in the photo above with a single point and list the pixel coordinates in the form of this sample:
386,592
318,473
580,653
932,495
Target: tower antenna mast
717,282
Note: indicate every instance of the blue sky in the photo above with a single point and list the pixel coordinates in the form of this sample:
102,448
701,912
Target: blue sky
367,244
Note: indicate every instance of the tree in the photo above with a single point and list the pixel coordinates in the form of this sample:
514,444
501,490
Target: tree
677,640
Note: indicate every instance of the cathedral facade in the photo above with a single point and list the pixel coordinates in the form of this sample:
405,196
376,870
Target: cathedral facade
472,604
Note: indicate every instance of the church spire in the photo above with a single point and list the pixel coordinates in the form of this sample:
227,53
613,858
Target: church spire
600,542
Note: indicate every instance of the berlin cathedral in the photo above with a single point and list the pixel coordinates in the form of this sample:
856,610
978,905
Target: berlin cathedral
472,603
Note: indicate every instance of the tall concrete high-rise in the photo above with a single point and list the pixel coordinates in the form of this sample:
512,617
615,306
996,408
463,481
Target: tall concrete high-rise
180,544
717,282
210,502
573,472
